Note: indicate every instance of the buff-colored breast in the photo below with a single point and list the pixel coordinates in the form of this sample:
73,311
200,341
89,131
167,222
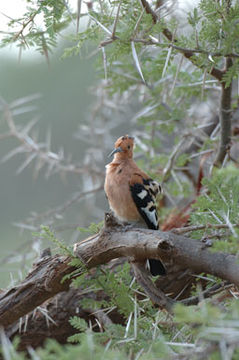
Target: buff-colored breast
117,188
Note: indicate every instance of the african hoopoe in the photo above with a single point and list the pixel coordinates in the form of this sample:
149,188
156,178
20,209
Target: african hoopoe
131,192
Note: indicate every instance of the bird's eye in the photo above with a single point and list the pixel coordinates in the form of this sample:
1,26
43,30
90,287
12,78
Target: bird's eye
128,146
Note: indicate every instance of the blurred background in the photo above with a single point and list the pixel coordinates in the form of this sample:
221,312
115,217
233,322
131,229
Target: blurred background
76,125
62,108
62,102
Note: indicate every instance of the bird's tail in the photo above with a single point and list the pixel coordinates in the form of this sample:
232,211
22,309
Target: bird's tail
156,267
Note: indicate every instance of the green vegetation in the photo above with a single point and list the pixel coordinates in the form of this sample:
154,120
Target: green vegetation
180,74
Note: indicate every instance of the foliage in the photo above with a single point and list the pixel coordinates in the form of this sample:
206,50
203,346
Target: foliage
208,322
49,235
115,286
92,229
30,34
218,205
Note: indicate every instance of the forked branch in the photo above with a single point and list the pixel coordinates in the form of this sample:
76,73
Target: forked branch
141,244
112,242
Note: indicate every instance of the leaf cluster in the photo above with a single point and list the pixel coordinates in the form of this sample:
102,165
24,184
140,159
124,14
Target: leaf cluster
31,31
219,206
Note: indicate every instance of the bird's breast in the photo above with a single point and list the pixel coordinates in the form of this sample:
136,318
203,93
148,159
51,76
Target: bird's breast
118,193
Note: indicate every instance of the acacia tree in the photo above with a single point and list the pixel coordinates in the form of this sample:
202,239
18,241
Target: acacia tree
181,72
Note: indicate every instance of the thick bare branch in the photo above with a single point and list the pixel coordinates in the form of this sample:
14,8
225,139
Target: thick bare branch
45,280
156,295
140,244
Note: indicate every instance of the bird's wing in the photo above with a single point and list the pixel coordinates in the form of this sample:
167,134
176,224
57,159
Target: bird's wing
144,192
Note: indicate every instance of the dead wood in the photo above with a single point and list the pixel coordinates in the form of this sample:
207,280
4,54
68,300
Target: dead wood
51,320
42,283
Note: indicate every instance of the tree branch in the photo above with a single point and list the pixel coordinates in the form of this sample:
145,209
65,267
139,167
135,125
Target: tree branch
141,244
225,119
114,241
225,111
43,282
186,229
194,300
51,320
40,152
215,72
155,41
156,295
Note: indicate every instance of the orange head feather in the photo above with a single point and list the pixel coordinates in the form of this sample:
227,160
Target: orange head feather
123,148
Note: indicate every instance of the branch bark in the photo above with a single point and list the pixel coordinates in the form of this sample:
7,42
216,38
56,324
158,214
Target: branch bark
141,244
52,319
42,283
45,280
225,119
156,295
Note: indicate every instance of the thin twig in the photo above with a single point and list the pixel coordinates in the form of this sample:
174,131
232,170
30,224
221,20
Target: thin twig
116,20
194,300
225,119
55,161
24,25
170,163
137,25
78,15
201,227
155,41
104,62
176,75
55,212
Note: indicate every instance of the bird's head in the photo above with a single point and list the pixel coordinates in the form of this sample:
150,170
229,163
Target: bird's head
123,147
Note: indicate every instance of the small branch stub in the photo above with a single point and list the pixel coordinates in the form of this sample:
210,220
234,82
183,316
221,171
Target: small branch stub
110,221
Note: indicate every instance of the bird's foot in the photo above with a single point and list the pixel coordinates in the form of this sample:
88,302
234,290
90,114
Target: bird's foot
111,221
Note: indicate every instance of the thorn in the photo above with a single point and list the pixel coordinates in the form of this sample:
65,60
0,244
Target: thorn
210,58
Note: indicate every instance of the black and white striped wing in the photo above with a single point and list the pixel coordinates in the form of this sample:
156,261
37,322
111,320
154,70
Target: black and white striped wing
144,196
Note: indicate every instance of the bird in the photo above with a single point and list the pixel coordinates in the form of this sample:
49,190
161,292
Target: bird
131,193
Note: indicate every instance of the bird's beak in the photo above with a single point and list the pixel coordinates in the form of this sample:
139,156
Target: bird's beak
118,149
